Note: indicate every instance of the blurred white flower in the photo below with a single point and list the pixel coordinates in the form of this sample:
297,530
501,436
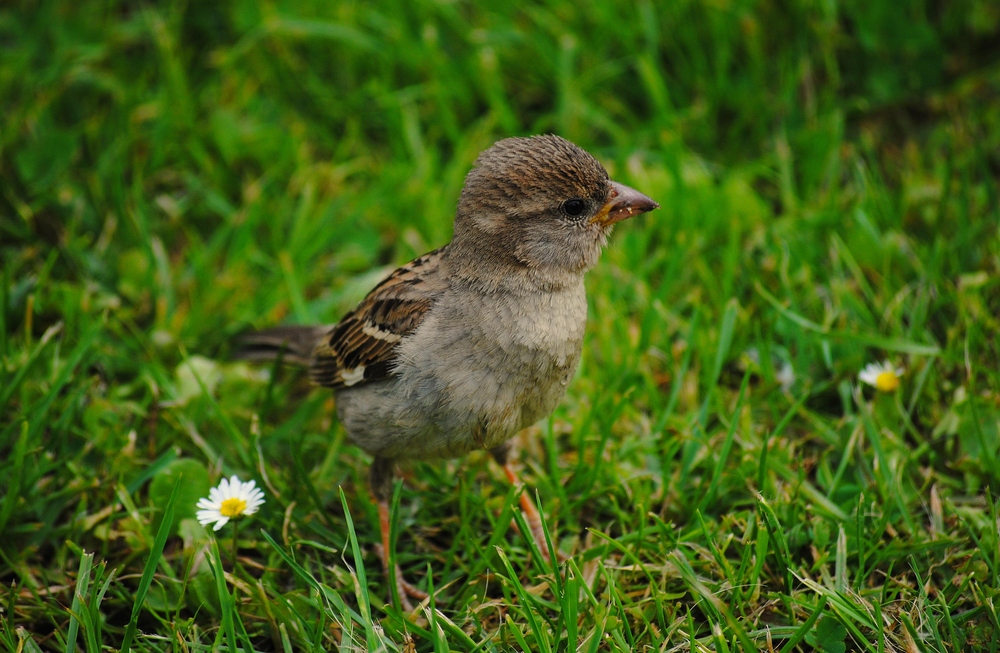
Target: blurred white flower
784,373
786,376
884,376
232,499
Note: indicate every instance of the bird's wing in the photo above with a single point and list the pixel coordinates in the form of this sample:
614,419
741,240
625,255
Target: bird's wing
362,346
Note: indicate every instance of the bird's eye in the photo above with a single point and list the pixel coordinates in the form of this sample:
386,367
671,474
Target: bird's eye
574,207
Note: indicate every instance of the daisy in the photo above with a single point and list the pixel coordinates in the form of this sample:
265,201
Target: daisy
883,376
232,499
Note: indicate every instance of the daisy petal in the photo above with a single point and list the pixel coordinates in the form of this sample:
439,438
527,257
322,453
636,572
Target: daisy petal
883,376
231,499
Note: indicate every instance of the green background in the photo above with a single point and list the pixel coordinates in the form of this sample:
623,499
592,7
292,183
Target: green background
173,174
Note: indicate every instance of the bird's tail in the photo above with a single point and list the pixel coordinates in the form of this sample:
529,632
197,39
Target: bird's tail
292,343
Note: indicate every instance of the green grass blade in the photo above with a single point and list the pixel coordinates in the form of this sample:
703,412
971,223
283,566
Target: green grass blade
727,445
149,569
10,385
227,604
361,584
528,605
79,600
805,628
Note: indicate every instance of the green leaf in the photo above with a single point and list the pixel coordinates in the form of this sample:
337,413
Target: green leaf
190,372
194,485
830,635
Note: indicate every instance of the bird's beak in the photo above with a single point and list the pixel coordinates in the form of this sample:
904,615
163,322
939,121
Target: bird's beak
622,204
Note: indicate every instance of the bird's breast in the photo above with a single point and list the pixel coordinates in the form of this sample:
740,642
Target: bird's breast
543,325
499,339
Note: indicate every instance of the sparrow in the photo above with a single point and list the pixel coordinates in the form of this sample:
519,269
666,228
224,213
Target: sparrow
463,347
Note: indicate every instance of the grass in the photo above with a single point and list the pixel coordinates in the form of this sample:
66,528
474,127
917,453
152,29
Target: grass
172,174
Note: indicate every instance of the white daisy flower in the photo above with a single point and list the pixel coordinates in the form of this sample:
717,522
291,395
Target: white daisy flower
884,376
232,499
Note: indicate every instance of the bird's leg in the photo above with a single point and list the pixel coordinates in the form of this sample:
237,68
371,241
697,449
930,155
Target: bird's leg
531,515
380,479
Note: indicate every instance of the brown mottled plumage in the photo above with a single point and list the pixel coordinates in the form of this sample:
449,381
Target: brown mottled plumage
465,346
362,346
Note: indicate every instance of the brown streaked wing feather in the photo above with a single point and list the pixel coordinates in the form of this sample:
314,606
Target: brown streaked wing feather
362,346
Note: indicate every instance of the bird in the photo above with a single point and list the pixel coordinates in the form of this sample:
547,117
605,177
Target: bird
462,348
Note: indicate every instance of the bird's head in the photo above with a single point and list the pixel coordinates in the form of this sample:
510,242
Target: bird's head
542,203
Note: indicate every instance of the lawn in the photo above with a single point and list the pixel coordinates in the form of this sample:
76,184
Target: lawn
718,477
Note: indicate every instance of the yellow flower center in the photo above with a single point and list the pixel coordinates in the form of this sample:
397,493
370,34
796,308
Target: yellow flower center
232,507
887,381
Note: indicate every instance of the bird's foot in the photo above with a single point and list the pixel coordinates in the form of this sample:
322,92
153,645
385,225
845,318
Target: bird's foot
404,589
